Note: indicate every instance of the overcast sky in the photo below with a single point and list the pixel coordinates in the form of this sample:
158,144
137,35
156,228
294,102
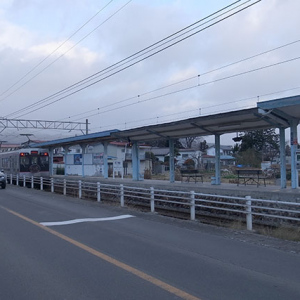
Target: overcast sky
49,45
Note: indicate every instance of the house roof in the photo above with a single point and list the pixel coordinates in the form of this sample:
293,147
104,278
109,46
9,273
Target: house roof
223,147
222,157
187,150
160,151
227,157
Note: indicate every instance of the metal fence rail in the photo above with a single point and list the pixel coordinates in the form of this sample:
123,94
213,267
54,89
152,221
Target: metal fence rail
196,205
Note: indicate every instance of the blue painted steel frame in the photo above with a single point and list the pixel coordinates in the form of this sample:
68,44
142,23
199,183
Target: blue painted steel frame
105,161
294,145
282,158
217,160
135,162
171,161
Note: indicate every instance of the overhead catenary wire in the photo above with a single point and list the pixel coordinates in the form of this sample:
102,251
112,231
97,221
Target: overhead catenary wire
188,111
205,83
193,77
55,50
142,52
156,52
115,65
196,111
63,54
185,80
193,87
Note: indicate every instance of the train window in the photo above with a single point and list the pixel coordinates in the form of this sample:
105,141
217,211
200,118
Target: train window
44,160
24,161
34,160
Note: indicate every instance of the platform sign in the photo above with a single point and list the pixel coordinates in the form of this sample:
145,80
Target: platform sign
98,159
77,159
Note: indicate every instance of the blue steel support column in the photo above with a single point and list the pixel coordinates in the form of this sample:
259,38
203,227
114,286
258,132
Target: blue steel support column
83,148
217,160
51,161
66,150
105,161
135,161
282,158
294,144
171,161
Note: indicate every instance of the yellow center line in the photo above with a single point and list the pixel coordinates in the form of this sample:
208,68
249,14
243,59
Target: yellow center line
171,289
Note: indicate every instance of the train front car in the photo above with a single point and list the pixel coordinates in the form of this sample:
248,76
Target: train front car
33,162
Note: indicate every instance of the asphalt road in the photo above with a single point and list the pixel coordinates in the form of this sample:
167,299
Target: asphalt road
142,256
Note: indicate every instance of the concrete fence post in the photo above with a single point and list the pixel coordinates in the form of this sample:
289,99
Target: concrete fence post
52,185
17,180
11,178
79,189
65,186
98,192
192,202
249,213
152,203
32,182
41,183
122,194
24,180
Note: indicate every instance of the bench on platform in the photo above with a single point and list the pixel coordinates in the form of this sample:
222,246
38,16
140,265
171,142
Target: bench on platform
250,176
191,174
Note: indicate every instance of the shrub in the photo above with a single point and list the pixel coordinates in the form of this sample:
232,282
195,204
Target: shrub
60,171
189,163
147,174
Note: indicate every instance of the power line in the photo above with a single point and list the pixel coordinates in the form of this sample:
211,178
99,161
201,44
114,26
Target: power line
196,111
187,79
63,54
156,52
112,67
194,86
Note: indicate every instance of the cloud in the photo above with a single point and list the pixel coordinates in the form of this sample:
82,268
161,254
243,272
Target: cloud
31,31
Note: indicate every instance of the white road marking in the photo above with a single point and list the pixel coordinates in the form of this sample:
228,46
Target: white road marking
86,220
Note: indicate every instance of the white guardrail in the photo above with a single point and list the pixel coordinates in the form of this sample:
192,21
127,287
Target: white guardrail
197,205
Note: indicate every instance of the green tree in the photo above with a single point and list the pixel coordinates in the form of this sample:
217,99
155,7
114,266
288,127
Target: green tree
249,157
265,142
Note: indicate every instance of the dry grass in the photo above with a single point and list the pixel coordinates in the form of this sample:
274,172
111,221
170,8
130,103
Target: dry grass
285,233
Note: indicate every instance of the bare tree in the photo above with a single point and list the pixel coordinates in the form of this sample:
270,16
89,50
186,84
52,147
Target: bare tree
191,142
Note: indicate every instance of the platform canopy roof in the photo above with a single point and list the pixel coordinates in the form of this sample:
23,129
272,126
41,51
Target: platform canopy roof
81,139
268,114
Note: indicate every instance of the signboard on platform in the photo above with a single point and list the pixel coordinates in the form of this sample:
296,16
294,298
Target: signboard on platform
77,159
98,158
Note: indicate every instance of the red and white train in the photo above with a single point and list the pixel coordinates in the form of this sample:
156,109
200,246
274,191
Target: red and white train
26,161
